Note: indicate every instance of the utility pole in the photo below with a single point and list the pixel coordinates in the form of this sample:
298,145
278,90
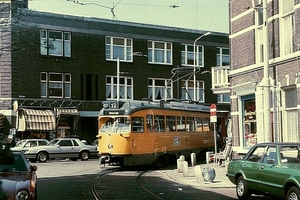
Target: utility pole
266,80
118,79
195,93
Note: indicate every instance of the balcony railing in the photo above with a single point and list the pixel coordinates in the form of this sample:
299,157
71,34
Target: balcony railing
220,83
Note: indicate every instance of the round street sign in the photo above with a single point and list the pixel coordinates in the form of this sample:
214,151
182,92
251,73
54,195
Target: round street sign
213,109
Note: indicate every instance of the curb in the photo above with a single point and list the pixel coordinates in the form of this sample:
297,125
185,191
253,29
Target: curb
220,181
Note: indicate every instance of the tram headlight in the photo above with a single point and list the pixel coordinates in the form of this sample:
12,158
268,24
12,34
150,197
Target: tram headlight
110,146
105,105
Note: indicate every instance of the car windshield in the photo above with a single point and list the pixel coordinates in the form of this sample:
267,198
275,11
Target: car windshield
116,125
19,165
20,143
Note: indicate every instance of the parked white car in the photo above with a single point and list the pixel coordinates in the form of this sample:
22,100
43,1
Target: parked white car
24,145
71,148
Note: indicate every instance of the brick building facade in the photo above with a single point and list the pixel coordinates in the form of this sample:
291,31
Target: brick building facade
248,90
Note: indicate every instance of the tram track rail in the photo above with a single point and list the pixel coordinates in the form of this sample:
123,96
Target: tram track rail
101,192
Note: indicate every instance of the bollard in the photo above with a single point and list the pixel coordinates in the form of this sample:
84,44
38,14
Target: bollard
179,165
198,173
193,159
208,155
182,158
185,169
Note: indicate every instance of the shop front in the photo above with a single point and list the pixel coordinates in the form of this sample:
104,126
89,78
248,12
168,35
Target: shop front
35,123
66,120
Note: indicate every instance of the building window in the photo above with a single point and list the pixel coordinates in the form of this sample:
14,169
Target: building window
187,55
260,16
223,98
290,115
118,48
55,43
55,85
159,52
259,35
287,26
223,58
160,89
188,90
126,88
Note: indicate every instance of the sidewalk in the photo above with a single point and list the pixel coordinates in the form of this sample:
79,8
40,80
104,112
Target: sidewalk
220,181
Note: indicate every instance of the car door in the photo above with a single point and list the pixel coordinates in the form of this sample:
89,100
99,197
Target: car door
270,174
250,166
65,149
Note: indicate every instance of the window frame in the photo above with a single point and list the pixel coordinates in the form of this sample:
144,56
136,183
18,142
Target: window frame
111,87
287,27
154,52
199,52
66,85
46,42
111,44
221,98
168,86
188,88
221,56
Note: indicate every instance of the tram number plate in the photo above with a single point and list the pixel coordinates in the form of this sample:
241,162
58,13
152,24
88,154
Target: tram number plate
176,141
113,105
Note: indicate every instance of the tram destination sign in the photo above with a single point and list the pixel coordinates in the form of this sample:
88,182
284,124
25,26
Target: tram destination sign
186,106
113,112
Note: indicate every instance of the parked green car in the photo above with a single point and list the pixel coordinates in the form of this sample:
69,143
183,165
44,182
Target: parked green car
271,169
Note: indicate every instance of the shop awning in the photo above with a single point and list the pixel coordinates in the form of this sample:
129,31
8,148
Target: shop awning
2,117
36,120
67,111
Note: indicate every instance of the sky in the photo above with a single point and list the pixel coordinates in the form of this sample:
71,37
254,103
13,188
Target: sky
204,15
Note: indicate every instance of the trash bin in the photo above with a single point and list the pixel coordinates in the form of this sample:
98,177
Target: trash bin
209,174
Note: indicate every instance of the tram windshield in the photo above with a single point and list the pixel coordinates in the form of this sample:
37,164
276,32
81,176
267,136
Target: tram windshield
116,125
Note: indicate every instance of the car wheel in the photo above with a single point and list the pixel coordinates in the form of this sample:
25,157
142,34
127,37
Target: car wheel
293,194
242,190
85,155
42,157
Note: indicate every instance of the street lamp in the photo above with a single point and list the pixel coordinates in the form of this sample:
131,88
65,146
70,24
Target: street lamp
118,72
206,34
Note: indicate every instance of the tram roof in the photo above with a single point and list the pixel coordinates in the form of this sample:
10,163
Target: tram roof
130,106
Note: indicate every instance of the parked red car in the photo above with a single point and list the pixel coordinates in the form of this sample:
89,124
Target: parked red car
18,178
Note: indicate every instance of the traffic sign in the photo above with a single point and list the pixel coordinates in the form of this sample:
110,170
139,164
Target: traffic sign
213,118
213,109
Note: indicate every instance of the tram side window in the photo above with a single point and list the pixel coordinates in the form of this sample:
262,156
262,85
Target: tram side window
199,124
159,121
190,124
149,121
181,123
137,124
206,124
170,123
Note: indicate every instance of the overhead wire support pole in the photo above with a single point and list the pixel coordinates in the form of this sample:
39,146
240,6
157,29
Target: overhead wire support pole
266,80
118,79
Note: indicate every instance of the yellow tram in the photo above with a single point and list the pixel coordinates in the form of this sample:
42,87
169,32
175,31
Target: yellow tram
145,132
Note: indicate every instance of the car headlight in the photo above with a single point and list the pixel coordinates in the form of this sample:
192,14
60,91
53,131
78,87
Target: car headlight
22,195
